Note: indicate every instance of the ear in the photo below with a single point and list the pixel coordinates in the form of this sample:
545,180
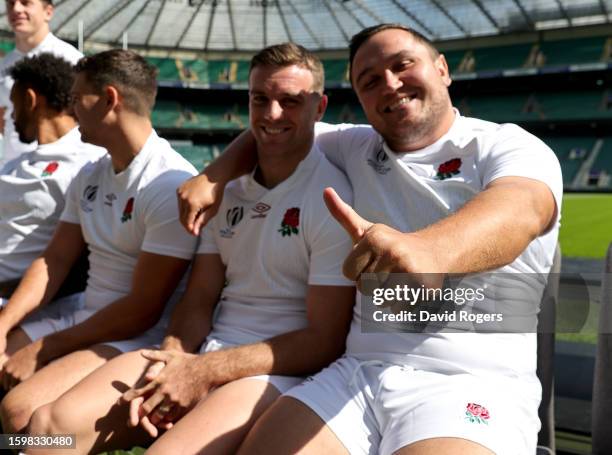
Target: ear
321,107
48,12
32,100
112,97
442,68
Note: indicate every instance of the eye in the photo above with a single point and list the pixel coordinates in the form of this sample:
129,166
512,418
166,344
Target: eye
370,82
258,99
290,102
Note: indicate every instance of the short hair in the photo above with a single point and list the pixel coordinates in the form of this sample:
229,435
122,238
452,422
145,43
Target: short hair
287,54
49,76
360,38
128,72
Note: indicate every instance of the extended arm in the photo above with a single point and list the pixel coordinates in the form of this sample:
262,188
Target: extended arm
44,277
490,231
198,197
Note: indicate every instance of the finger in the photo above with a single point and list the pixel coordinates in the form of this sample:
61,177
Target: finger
151,403
357,262
146,424
157,356
131,394
154,370
134,413
345,215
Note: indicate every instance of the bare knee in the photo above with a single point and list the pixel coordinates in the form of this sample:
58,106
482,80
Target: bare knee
40,423
15,411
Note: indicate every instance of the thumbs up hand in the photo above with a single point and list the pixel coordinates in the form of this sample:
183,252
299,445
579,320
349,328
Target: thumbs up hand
380,249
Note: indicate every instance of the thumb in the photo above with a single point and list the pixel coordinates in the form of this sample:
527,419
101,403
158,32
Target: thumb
345,215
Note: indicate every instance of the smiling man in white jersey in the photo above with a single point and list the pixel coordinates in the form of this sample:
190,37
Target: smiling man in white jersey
439,193
283,313
29,20
120,208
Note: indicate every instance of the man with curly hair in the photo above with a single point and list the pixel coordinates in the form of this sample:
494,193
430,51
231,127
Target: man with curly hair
33,186
29,20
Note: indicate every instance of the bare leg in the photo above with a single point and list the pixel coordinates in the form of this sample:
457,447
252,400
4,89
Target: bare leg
444,446
290,426
90,409
219,423
47,384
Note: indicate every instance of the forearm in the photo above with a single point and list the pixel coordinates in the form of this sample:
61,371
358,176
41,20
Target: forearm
189,326
38,285
489,232
282,355
118,321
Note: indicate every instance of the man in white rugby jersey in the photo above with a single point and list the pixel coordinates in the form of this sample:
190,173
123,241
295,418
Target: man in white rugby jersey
270,262
122,210
435,193
29,20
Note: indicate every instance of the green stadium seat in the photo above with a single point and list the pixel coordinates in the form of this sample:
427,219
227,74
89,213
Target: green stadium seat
336,70
573,51
603,162
168,70
501,57
563,147
562,106
166,114
453,59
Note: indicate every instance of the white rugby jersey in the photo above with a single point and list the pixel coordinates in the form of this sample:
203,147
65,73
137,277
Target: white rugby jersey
12,145
126,213
275,243
32,193
410,191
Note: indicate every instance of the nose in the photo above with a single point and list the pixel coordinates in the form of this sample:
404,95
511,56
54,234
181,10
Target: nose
274,110
392,81
17,7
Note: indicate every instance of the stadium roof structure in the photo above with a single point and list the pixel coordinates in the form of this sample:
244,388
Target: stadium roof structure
247,25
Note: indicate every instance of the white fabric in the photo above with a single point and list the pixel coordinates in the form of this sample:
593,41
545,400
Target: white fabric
378,408
403,191
98,200
32,192
268,274
12,145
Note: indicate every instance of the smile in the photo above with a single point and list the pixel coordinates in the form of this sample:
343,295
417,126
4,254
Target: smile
399,103
272,131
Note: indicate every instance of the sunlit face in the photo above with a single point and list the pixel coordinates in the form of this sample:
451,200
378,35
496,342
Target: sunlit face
26,17
283,107
23,115
90,108
403,89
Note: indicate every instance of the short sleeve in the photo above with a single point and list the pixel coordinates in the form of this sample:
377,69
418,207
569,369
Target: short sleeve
339,142
208,243
517,153
329,243
164,233
71,207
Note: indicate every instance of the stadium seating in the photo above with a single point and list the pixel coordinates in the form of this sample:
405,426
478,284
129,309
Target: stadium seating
603,163
198,155
571,152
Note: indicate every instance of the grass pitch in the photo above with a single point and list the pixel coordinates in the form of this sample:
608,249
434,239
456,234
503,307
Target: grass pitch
586,225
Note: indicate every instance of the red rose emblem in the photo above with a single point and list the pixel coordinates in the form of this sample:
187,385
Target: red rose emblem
476,413
50,169
292,217
291,222
127,211
450,167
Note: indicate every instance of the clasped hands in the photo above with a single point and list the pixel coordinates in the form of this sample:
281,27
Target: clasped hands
172,385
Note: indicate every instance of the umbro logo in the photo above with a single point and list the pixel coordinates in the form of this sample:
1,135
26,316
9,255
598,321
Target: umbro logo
261,210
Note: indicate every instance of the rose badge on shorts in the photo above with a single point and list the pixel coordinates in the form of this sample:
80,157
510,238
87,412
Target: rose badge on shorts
448,169
291,222
127,210
475,413
50,169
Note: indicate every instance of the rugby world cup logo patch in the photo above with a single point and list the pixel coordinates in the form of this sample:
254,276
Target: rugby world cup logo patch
378,163
89,195
233,216
127,210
